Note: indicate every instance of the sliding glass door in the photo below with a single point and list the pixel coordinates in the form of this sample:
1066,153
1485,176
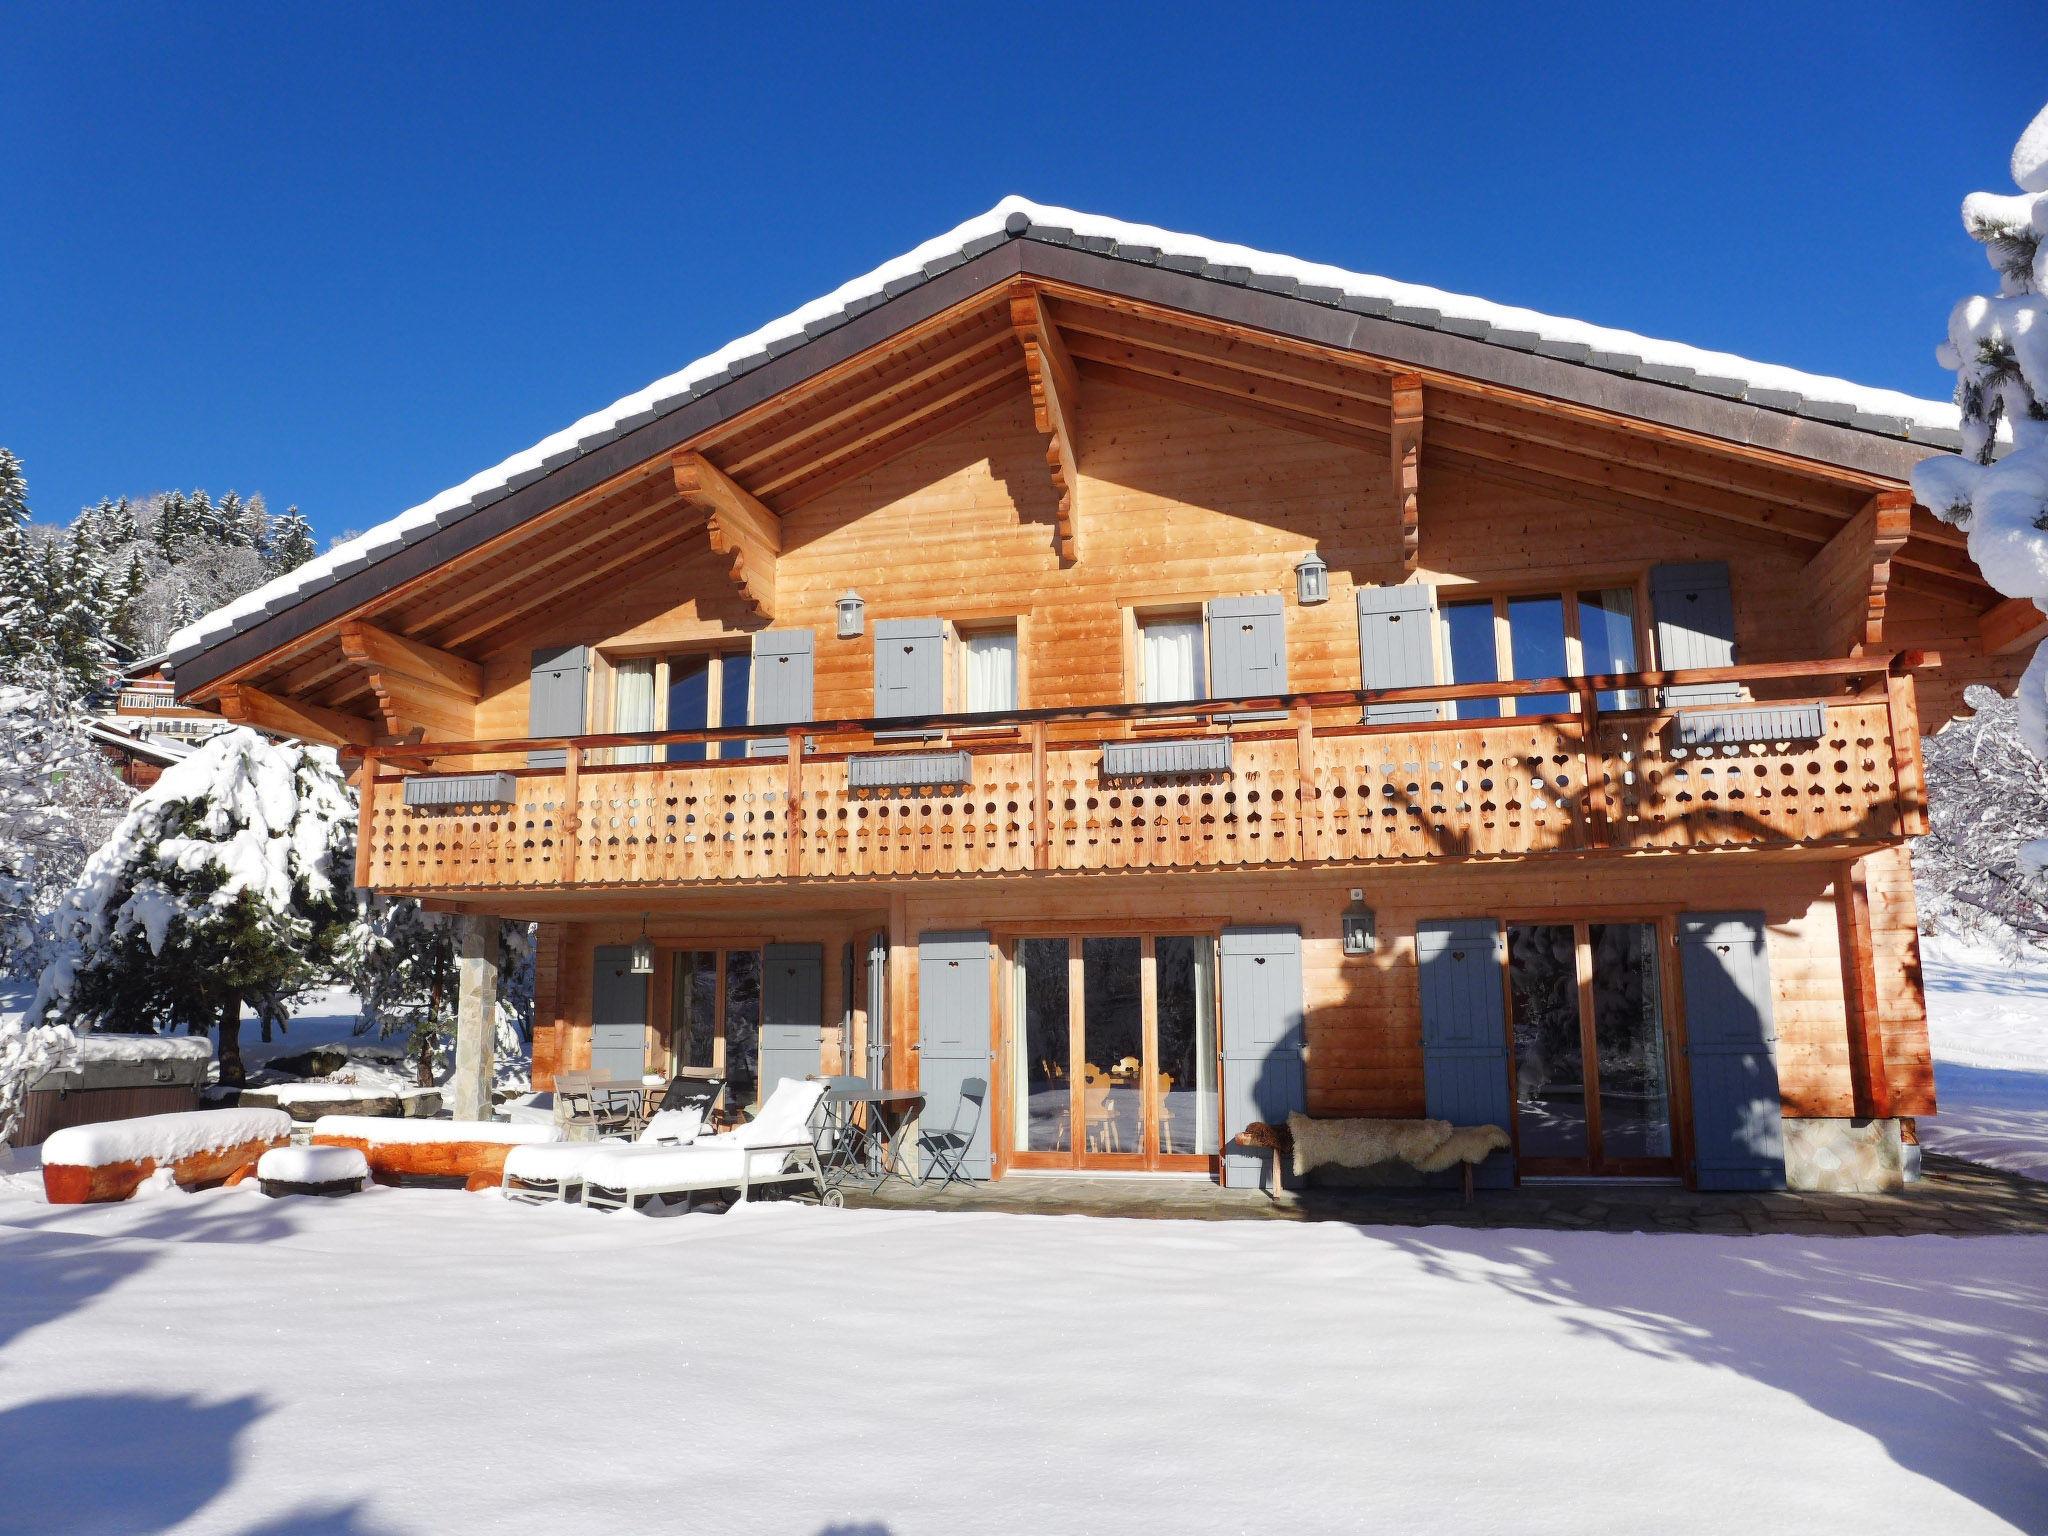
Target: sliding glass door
1592,1074
1112,1052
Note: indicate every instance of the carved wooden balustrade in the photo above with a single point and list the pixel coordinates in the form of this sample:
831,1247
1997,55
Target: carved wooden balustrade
1307,783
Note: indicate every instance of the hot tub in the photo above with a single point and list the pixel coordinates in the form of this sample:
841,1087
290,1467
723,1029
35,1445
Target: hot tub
116,1077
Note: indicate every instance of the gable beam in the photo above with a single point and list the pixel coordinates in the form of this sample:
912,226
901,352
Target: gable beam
414,684
1055,406
2011,625
1406,459
1848,581
266,711
741,527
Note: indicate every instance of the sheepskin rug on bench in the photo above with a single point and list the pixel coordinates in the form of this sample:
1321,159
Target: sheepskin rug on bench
1428,1146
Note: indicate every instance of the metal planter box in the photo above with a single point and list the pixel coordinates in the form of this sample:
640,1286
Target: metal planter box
1165,759
909,770
1727,727
448,791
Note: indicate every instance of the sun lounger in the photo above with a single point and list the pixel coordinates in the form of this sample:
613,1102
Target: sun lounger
555,1170
778,1146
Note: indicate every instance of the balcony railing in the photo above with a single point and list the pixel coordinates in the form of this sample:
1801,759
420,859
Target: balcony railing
1307,783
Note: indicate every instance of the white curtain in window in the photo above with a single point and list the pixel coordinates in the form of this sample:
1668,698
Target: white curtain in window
1171,661
991,670
1607,639
1205,1047
633,707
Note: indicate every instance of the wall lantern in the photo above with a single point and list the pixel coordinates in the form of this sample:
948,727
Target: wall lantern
1311,579
643,951
1361,929
852,611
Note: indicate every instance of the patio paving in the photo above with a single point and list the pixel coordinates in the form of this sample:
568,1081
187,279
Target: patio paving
1953,1199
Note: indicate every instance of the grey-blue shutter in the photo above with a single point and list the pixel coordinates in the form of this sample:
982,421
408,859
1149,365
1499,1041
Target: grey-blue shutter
953,1036
618,1015
1247,647
792,1012
554,699
910,667
1264,1039
1737,1128
782,686
1465,1030
1695,613
1397,649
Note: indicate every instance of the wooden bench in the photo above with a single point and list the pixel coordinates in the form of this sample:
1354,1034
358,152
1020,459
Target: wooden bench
471,1150
1430,1146
110,1160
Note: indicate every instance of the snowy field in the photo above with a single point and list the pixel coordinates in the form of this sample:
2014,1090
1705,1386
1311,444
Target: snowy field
426,1361
1988,1023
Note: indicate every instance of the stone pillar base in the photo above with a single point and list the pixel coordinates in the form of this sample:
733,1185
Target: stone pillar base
1843,1156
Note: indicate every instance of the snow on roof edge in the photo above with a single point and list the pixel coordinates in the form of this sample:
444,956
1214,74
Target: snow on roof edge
1891,412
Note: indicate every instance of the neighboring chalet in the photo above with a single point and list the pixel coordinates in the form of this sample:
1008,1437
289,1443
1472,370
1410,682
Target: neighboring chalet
143,728
1176,683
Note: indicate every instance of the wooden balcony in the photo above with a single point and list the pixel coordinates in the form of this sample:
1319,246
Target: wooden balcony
1307,784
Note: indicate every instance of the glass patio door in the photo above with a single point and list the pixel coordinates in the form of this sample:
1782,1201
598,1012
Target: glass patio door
1112,1055
1592,1076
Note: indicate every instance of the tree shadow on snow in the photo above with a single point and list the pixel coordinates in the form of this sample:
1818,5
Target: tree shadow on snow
1946,1373
120,1463
52,1271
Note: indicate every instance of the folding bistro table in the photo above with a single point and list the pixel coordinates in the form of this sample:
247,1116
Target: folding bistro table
870,1146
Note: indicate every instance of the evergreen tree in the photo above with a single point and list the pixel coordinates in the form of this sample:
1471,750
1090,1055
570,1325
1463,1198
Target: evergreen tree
13,492
228,883
406,981
291,542
59,796
1998,346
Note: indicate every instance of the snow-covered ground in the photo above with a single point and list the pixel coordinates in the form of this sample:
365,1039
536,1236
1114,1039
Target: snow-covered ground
429,1361
1987,1021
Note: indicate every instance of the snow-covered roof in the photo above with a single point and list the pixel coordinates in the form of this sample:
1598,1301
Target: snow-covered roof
1882,411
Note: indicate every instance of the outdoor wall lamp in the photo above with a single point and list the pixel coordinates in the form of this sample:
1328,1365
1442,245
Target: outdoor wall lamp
1361,928
643,951
852,614
1311,579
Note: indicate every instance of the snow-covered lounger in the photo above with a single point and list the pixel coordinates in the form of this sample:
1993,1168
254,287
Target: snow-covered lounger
777,1146
550,1171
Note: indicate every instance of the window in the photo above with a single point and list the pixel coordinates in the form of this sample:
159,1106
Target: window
699,690
1171,661
1540,634
715,1018
988,670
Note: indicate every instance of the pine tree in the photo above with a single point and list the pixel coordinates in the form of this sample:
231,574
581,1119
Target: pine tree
1987,799
228,883
291,542
1998,346
59,796
13,492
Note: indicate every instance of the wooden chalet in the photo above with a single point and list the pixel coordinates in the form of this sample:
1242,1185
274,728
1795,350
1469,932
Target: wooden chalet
1179,685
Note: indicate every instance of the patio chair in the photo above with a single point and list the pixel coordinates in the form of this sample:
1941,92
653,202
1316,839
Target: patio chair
777,1146
948,1148
549,1171
701,1093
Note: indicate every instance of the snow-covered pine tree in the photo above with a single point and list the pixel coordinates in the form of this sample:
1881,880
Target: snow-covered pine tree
407,984
59,797
1998,346
228,882
1988,798
291,542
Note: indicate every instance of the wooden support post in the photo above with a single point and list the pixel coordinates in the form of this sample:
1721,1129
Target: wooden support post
1599,830
476,1015
902,959
1909,768
1055,408
1869,1079
1406,455
569,821
792,804
366,813
1041,805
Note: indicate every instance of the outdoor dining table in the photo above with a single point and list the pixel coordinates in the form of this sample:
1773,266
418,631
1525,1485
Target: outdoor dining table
874,1149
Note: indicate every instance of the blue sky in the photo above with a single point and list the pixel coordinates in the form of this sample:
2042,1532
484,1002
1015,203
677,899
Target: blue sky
350,255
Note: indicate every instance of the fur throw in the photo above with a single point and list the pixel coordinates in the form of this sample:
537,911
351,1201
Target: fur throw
1428,1145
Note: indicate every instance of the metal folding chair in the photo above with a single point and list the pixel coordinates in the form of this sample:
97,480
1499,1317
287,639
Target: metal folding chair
948,1147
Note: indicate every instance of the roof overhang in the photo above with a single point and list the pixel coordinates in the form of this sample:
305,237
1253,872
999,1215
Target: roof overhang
1233,296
